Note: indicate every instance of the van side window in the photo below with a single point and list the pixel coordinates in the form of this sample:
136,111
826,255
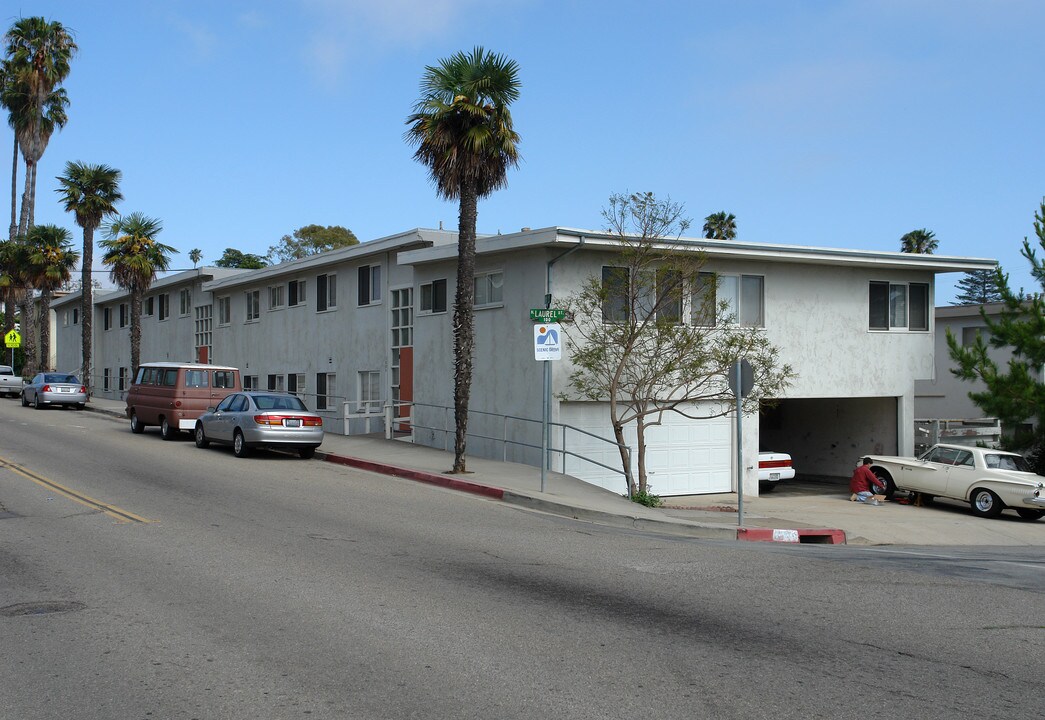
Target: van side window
196,378
141,375
170,377
224,379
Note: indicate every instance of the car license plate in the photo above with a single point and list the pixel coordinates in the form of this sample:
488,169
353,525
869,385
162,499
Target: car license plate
61,389
292,422
774,476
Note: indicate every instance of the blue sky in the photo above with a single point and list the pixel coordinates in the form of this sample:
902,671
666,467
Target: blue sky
831,124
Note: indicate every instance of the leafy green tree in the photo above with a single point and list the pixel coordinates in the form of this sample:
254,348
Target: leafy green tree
463,131
52,259
978,287
720,226
651,338
38,55
922,242
90,192
310,240
233,258
195,255
1015,393
134,257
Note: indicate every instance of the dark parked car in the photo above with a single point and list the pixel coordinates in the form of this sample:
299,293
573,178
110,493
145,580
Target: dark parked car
54,389
247,420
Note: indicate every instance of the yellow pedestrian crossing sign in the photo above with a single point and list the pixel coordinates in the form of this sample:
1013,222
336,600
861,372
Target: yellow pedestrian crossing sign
13,339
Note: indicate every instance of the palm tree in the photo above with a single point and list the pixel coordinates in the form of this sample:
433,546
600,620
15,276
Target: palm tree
51,260
720,226
463,131
922,241
8,281
38,55
195,255
134,256
91,193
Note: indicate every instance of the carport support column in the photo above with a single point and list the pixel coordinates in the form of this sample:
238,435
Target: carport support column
740,449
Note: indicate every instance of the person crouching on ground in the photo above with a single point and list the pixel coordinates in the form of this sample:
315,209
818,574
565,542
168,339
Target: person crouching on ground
862,483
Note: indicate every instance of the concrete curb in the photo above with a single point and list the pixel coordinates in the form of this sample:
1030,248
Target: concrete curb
792,535
419,475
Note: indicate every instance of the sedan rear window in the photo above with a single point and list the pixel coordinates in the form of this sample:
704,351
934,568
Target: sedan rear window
279,402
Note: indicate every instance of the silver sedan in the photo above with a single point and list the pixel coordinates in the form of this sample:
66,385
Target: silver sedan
248,420
54,389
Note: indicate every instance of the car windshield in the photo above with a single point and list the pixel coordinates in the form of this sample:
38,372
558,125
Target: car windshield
279,402
61,379
1006,462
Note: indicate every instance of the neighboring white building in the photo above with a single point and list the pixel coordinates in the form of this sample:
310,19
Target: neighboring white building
357,327
944,396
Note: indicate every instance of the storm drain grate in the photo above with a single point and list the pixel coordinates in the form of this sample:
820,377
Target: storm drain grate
49,607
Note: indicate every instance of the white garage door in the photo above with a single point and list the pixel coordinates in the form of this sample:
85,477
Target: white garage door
683,456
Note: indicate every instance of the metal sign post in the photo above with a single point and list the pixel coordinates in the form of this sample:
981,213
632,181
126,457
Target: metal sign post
741,379
547,346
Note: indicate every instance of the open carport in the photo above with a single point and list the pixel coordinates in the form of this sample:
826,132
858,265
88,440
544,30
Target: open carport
826,436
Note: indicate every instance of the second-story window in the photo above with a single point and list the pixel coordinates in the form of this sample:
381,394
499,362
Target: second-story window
224,310
276,297
164,301
106,318
295,292
433,297
253,298
369,284
185,301
898,306
124,315
326,292
489,289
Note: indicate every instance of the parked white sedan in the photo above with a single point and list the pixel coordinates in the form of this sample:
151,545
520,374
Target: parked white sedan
989,480
772,468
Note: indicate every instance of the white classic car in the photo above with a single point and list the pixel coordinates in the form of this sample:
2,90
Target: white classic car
989,480
772,468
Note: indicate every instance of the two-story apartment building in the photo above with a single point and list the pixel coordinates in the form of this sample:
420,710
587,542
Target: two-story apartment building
354,328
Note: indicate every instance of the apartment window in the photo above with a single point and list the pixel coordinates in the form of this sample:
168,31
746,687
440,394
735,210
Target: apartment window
106,318
433,297
296,292
369,284
107,379
296,383
149,306
185,302
164,310
669,296
617,286
76,316
276,383
326,292
65,318
898,306
253,305
704,310
489,289
969,334
224,310
204,333
326,389
369,391
250,382
124,315
277,297
124,373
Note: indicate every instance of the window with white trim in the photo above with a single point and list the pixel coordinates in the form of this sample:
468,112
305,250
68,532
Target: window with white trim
149,306
106,318
616,283
107,379
165,306
253,298
250,382
125,315
489,289
185,302
326,390
224,310
124,373
742,296
433,298
277,298
898,306
276,383
295,293
326,292
296,383
369,391
369,284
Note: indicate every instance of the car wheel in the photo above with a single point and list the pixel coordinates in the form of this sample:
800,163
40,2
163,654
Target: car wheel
239,446
201,436
985,503
166,431
887,481
81,406
1030,513
36,403
136,425
25,402
307,453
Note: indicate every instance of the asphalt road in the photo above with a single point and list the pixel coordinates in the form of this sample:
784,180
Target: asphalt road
181,583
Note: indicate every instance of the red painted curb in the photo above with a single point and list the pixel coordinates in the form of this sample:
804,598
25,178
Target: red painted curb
791,535
419,475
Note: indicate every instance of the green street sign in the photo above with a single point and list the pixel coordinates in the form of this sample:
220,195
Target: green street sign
547,315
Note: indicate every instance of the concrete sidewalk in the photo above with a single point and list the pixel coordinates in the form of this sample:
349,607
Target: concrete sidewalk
827,518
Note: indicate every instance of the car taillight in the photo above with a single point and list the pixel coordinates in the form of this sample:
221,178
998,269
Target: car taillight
312,422
278,420
774,463
45,388
83,389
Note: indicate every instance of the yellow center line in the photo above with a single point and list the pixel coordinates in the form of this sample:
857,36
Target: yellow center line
111,510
